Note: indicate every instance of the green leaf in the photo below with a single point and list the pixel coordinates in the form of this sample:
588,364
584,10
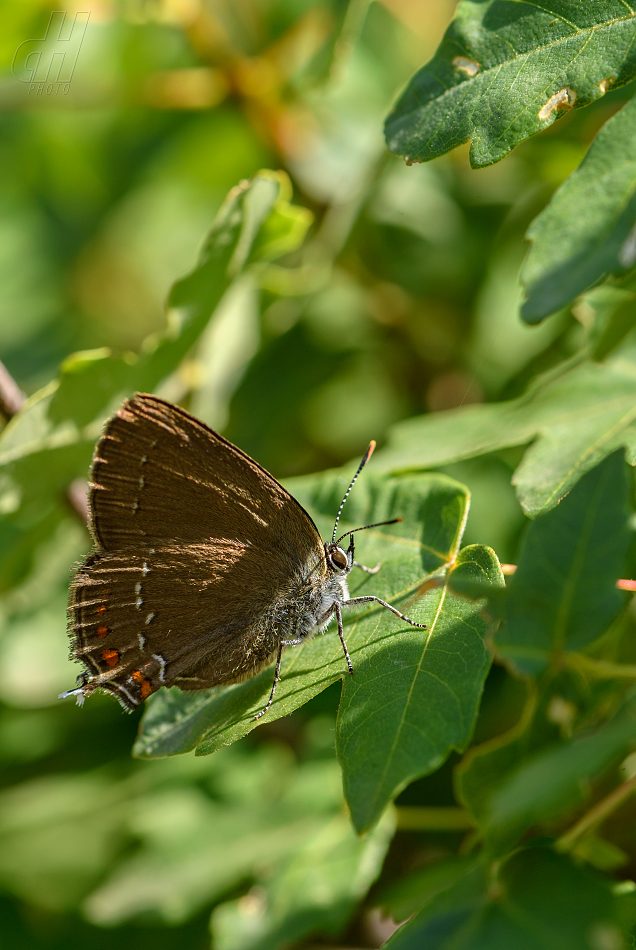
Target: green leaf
614,318
600,853
507,70
57,834
576,415
194,848
434,510
535,900
56,429
411,893
553,779
563,594
524,777
19,543
410,704
255,223
315,892
587,230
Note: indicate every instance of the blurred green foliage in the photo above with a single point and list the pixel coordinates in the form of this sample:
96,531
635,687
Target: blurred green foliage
344,298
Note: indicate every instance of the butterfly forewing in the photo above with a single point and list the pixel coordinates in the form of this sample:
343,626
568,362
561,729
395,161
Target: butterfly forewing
201,558
159,474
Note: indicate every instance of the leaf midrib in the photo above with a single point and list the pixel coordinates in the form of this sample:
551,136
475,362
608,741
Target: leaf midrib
398,732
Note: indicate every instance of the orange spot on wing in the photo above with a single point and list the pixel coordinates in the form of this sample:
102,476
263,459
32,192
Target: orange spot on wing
102,631
110,656
144,683
100,609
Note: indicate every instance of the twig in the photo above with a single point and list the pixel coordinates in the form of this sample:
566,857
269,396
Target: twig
11,396
11,401
596,815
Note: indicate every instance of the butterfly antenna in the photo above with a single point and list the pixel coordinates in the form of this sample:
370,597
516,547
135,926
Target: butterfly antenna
367,455
378,524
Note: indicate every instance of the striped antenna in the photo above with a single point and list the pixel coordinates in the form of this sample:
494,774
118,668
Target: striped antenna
378,524
365,459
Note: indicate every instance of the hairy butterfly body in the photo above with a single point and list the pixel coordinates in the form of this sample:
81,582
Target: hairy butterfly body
204,567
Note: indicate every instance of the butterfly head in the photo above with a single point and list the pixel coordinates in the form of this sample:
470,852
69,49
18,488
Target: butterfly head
339,560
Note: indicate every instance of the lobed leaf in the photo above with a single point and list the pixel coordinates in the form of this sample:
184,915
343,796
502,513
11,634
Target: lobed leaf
576,416
588,228
506,69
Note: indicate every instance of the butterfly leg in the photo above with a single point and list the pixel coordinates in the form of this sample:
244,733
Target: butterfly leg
338,612
368,570
371,599
274,684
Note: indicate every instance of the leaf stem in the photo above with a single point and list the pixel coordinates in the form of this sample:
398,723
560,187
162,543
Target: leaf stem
596,815
603,669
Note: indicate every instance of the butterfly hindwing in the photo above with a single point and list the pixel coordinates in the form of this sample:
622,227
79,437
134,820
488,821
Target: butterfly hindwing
166,617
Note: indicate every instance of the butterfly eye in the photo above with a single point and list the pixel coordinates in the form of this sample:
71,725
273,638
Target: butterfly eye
339,559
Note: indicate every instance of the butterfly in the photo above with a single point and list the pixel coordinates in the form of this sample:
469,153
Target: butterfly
204,569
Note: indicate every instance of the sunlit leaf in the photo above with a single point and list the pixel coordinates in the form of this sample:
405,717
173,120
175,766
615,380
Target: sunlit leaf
267,815
57,833
573,418
507,70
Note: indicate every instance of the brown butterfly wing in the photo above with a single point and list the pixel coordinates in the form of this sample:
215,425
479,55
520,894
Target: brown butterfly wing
159,474
150,619
199,551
